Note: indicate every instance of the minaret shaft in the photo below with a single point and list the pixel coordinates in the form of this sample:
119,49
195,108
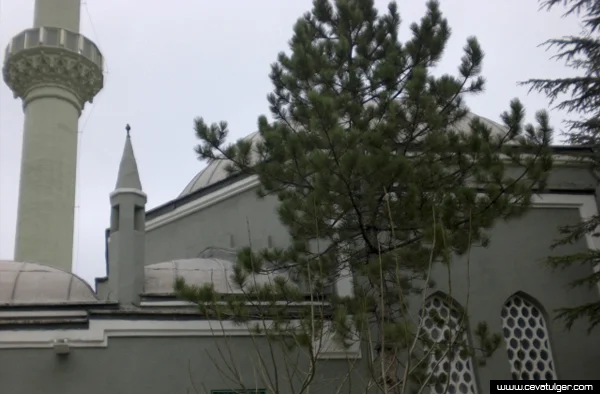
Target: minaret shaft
57,13
48,176
55,71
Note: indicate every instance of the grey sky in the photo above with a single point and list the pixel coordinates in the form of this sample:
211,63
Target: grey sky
168,62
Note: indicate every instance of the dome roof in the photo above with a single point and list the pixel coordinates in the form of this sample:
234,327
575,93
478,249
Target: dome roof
31,283
215,171
160,277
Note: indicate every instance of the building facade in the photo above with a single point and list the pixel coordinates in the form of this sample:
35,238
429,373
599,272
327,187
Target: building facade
131,335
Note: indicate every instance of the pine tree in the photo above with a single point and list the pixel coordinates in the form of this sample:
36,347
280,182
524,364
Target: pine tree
380,171
579,96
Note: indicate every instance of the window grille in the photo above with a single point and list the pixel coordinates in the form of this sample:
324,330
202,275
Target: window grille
449,362
527,340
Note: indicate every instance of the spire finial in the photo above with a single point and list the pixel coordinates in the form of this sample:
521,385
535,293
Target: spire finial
128,177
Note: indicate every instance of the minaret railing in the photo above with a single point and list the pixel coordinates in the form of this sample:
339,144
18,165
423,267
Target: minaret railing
53,37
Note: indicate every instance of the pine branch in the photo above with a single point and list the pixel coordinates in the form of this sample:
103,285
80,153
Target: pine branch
589,311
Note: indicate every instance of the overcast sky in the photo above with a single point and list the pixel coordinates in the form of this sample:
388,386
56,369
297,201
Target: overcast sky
168,62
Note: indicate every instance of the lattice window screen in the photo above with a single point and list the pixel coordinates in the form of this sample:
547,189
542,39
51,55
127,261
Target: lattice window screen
527,340
440,322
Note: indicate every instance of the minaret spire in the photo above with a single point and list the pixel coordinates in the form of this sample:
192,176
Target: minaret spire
128,177
55,71
126,247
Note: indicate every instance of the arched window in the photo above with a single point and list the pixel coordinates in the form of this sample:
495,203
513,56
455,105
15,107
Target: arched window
443,325
527,340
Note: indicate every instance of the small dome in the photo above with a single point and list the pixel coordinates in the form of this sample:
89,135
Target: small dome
31,283
215,171
160,277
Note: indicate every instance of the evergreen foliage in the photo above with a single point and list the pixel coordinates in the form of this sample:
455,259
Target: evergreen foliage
379,171
580,96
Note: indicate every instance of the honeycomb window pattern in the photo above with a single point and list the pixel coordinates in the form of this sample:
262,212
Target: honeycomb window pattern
527,340
441,323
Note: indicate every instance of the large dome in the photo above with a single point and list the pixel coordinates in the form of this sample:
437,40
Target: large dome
215,171
31,283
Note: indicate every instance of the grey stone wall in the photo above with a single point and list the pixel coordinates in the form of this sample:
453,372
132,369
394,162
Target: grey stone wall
513,262
161,365
231,223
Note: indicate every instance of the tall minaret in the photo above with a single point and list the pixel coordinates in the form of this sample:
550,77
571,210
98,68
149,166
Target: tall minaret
55,71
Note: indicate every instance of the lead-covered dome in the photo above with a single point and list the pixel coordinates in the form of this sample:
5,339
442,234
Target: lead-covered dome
32,283
160,277
215,170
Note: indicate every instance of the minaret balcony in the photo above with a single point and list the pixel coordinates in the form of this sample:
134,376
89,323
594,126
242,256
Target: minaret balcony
52,56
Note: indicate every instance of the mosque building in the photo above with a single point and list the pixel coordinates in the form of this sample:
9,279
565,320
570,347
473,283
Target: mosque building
131,335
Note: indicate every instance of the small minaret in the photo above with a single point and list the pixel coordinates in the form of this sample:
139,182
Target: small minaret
55,71
127,232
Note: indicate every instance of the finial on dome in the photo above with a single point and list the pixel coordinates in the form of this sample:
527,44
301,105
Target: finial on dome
127,128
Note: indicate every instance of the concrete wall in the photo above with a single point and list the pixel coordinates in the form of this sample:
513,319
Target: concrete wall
571,178
228,224
158,366
512,263
233,222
